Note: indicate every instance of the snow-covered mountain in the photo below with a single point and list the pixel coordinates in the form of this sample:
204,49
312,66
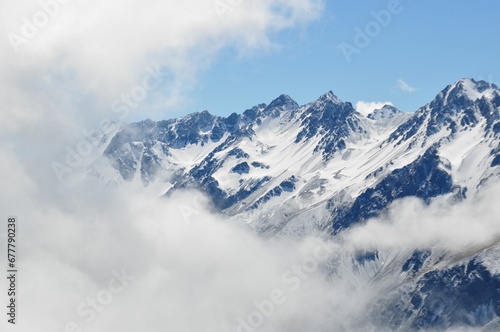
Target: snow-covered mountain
289,170
320,154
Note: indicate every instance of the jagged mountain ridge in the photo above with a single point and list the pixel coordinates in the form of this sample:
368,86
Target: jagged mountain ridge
240,159
290,169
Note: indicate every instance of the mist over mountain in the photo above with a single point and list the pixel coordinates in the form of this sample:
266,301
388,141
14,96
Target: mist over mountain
290,171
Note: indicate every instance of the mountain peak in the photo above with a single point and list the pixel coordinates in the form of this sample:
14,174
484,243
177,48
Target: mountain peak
387,111
480,85
329,97
283,102
468,89
459,107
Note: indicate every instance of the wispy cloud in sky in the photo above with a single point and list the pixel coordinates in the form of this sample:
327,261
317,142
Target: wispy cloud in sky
76,58
405,87
94,52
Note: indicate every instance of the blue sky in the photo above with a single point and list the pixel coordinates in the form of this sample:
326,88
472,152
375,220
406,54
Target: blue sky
84,59
427,45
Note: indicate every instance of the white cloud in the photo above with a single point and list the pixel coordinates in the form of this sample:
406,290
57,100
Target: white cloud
453,227
190,263
191,271
366,107
405,87
89,53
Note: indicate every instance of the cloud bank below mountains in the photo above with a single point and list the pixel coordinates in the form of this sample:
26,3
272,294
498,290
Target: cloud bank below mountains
121,258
